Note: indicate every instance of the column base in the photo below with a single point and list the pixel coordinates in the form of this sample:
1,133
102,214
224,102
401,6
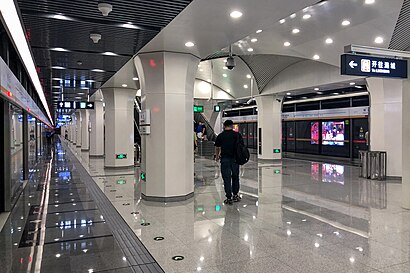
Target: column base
263,160
119,167
84,150
167,199
78,146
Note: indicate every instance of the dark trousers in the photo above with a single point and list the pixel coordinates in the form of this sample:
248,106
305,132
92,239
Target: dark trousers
230,175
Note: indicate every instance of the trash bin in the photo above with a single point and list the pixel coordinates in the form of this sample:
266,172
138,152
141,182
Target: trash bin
364,164
373,165
378,161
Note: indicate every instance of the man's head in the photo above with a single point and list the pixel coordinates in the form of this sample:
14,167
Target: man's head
228,124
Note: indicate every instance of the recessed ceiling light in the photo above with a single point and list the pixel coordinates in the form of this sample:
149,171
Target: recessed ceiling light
236,14
250,49
316,57
357,86
352,83
56,86
57,79
109,53
316,89
282,21
237,101
124,85
97,70
224,75
60,17
319,93
57,67
345,23
368,2
254,40
306,16
329,41
259,31
293,15
189,44
304,98
335,93
379,40
58,255
248,76
295,30
228,90
58,49
135,79
286,44
288,94
89,80
245,86
201,70
208,80
80,93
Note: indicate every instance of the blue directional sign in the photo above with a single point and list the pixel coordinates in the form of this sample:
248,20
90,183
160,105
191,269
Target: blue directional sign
370,66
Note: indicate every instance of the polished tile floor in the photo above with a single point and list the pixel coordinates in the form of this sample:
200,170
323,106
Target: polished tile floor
296,217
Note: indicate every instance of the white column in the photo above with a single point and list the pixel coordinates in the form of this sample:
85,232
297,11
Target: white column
167,85
85,133
97,128
405,144
119,126
386,121
78,128
12,131
270,123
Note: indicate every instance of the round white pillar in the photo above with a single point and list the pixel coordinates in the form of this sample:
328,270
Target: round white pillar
119,127
78,129
85,133
97,127
167,85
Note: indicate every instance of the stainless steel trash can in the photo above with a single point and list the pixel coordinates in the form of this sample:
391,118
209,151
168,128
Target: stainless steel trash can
364,164
378,162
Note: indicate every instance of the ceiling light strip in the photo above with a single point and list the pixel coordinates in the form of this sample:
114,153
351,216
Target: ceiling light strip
12,22
329,97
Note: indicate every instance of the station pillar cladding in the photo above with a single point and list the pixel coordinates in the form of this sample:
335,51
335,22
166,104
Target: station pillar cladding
97,126
85,133
119,127
406,143
78,129
269,127
167,87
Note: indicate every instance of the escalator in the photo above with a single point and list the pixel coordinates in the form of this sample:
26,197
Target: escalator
205,146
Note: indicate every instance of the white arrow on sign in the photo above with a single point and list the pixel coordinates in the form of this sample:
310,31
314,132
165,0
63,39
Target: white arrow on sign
61,104
352,64
90,105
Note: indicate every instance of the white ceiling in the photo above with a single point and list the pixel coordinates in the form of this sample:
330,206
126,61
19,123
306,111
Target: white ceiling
209,26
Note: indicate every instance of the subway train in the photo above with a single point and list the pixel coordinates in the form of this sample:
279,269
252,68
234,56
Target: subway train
335,127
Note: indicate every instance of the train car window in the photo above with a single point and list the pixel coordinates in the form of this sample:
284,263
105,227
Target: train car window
337,103
308,106
246,112
231,113
360,101
286,108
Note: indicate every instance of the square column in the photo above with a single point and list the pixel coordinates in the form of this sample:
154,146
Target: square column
85,133
167,86
78,129
119,127
269,127
97,129
405,144
385,121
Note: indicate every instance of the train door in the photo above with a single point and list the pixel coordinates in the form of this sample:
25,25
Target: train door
243,129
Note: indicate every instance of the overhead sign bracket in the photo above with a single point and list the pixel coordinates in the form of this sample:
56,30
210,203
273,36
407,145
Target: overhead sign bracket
376,51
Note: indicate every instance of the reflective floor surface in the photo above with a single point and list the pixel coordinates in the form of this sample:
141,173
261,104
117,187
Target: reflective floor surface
296,217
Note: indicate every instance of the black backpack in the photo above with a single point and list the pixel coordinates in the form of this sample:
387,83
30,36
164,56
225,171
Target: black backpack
242,154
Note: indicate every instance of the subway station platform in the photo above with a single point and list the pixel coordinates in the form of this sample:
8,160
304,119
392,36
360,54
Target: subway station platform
300,216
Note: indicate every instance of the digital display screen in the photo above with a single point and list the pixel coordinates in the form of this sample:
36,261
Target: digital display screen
314,132
333,174
333,133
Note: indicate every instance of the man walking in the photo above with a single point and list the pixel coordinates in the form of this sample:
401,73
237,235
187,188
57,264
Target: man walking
225,147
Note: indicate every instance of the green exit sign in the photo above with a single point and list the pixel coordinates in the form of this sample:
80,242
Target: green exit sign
121,156
198,109
121,182
276,151
143,176
217,108
277,171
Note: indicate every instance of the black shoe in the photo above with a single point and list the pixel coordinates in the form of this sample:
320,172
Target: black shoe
237,198
228,201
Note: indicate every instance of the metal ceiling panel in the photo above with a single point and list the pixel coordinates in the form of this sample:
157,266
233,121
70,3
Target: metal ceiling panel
67,24
400,39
